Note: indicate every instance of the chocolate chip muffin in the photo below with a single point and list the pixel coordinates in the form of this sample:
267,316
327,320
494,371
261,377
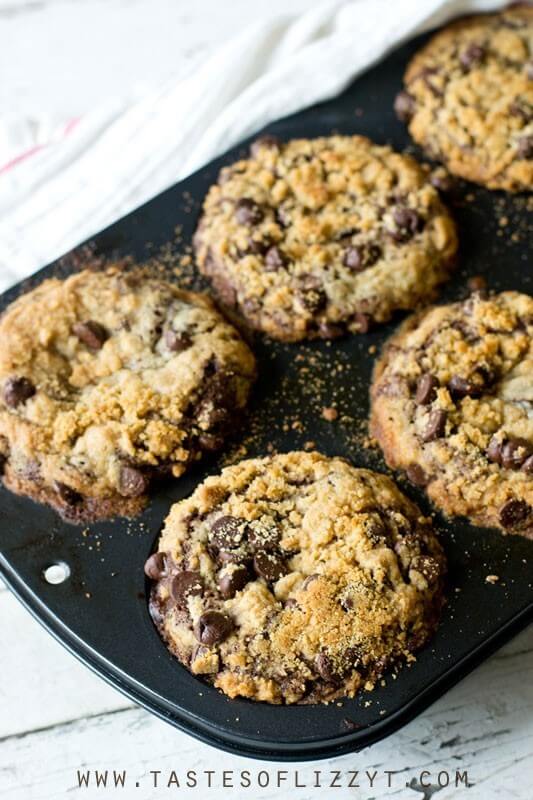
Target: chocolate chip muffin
295,579
452,405
107,380
317,237
468,98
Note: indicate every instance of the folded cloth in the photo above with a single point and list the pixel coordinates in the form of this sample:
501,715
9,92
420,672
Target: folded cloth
69,180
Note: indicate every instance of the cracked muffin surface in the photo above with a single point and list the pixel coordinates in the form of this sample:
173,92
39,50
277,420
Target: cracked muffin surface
452,404
108,380
468,98
319,237
295,578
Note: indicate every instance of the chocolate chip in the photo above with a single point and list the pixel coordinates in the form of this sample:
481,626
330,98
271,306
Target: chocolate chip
132,482
525,147
464,387
231,582
283,218
268,141
363,322
416,475
69,496
269,566
177,341
186,584
436,425
326,670
3,462
274,259
474,54
408,223
228,532
17,391
263,536
311,293
248,212
360,257
443,182
155,566
425,389
212,628
514,452
514,512
212,659
240,556
477,283
494,450
404,106
91,333
428,567
257,247
527,466
329,330
522,109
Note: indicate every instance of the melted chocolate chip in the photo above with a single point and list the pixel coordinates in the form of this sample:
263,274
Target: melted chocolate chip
408,222
232,582
186,584
69,496
311,293
443,183
274,259
360,257
522,109
325,668
328,330
248,212
228,532
132,482
404,106
3,462
525,148
363,322
155,566
257,247
91,333
269,566
527,466
436,425
416,475
473,55
177,341
513,513
425,389
17,391
212,628
428,567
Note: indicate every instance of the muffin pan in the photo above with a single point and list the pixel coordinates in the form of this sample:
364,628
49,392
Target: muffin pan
100,611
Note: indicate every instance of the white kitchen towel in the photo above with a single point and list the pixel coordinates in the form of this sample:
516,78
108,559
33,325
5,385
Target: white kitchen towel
68,180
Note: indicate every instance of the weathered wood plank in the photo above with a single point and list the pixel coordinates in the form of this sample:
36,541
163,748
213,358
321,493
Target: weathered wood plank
42,684
482,726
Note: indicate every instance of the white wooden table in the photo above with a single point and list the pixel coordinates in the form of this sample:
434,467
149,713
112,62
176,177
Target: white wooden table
56,717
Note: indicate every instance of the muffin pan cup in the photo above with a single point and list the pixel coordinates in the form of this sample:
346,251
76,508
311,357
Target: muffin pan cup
100,612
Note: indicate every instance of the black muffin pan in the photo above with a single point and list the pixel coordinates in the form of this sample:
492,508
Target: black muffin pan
101,612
